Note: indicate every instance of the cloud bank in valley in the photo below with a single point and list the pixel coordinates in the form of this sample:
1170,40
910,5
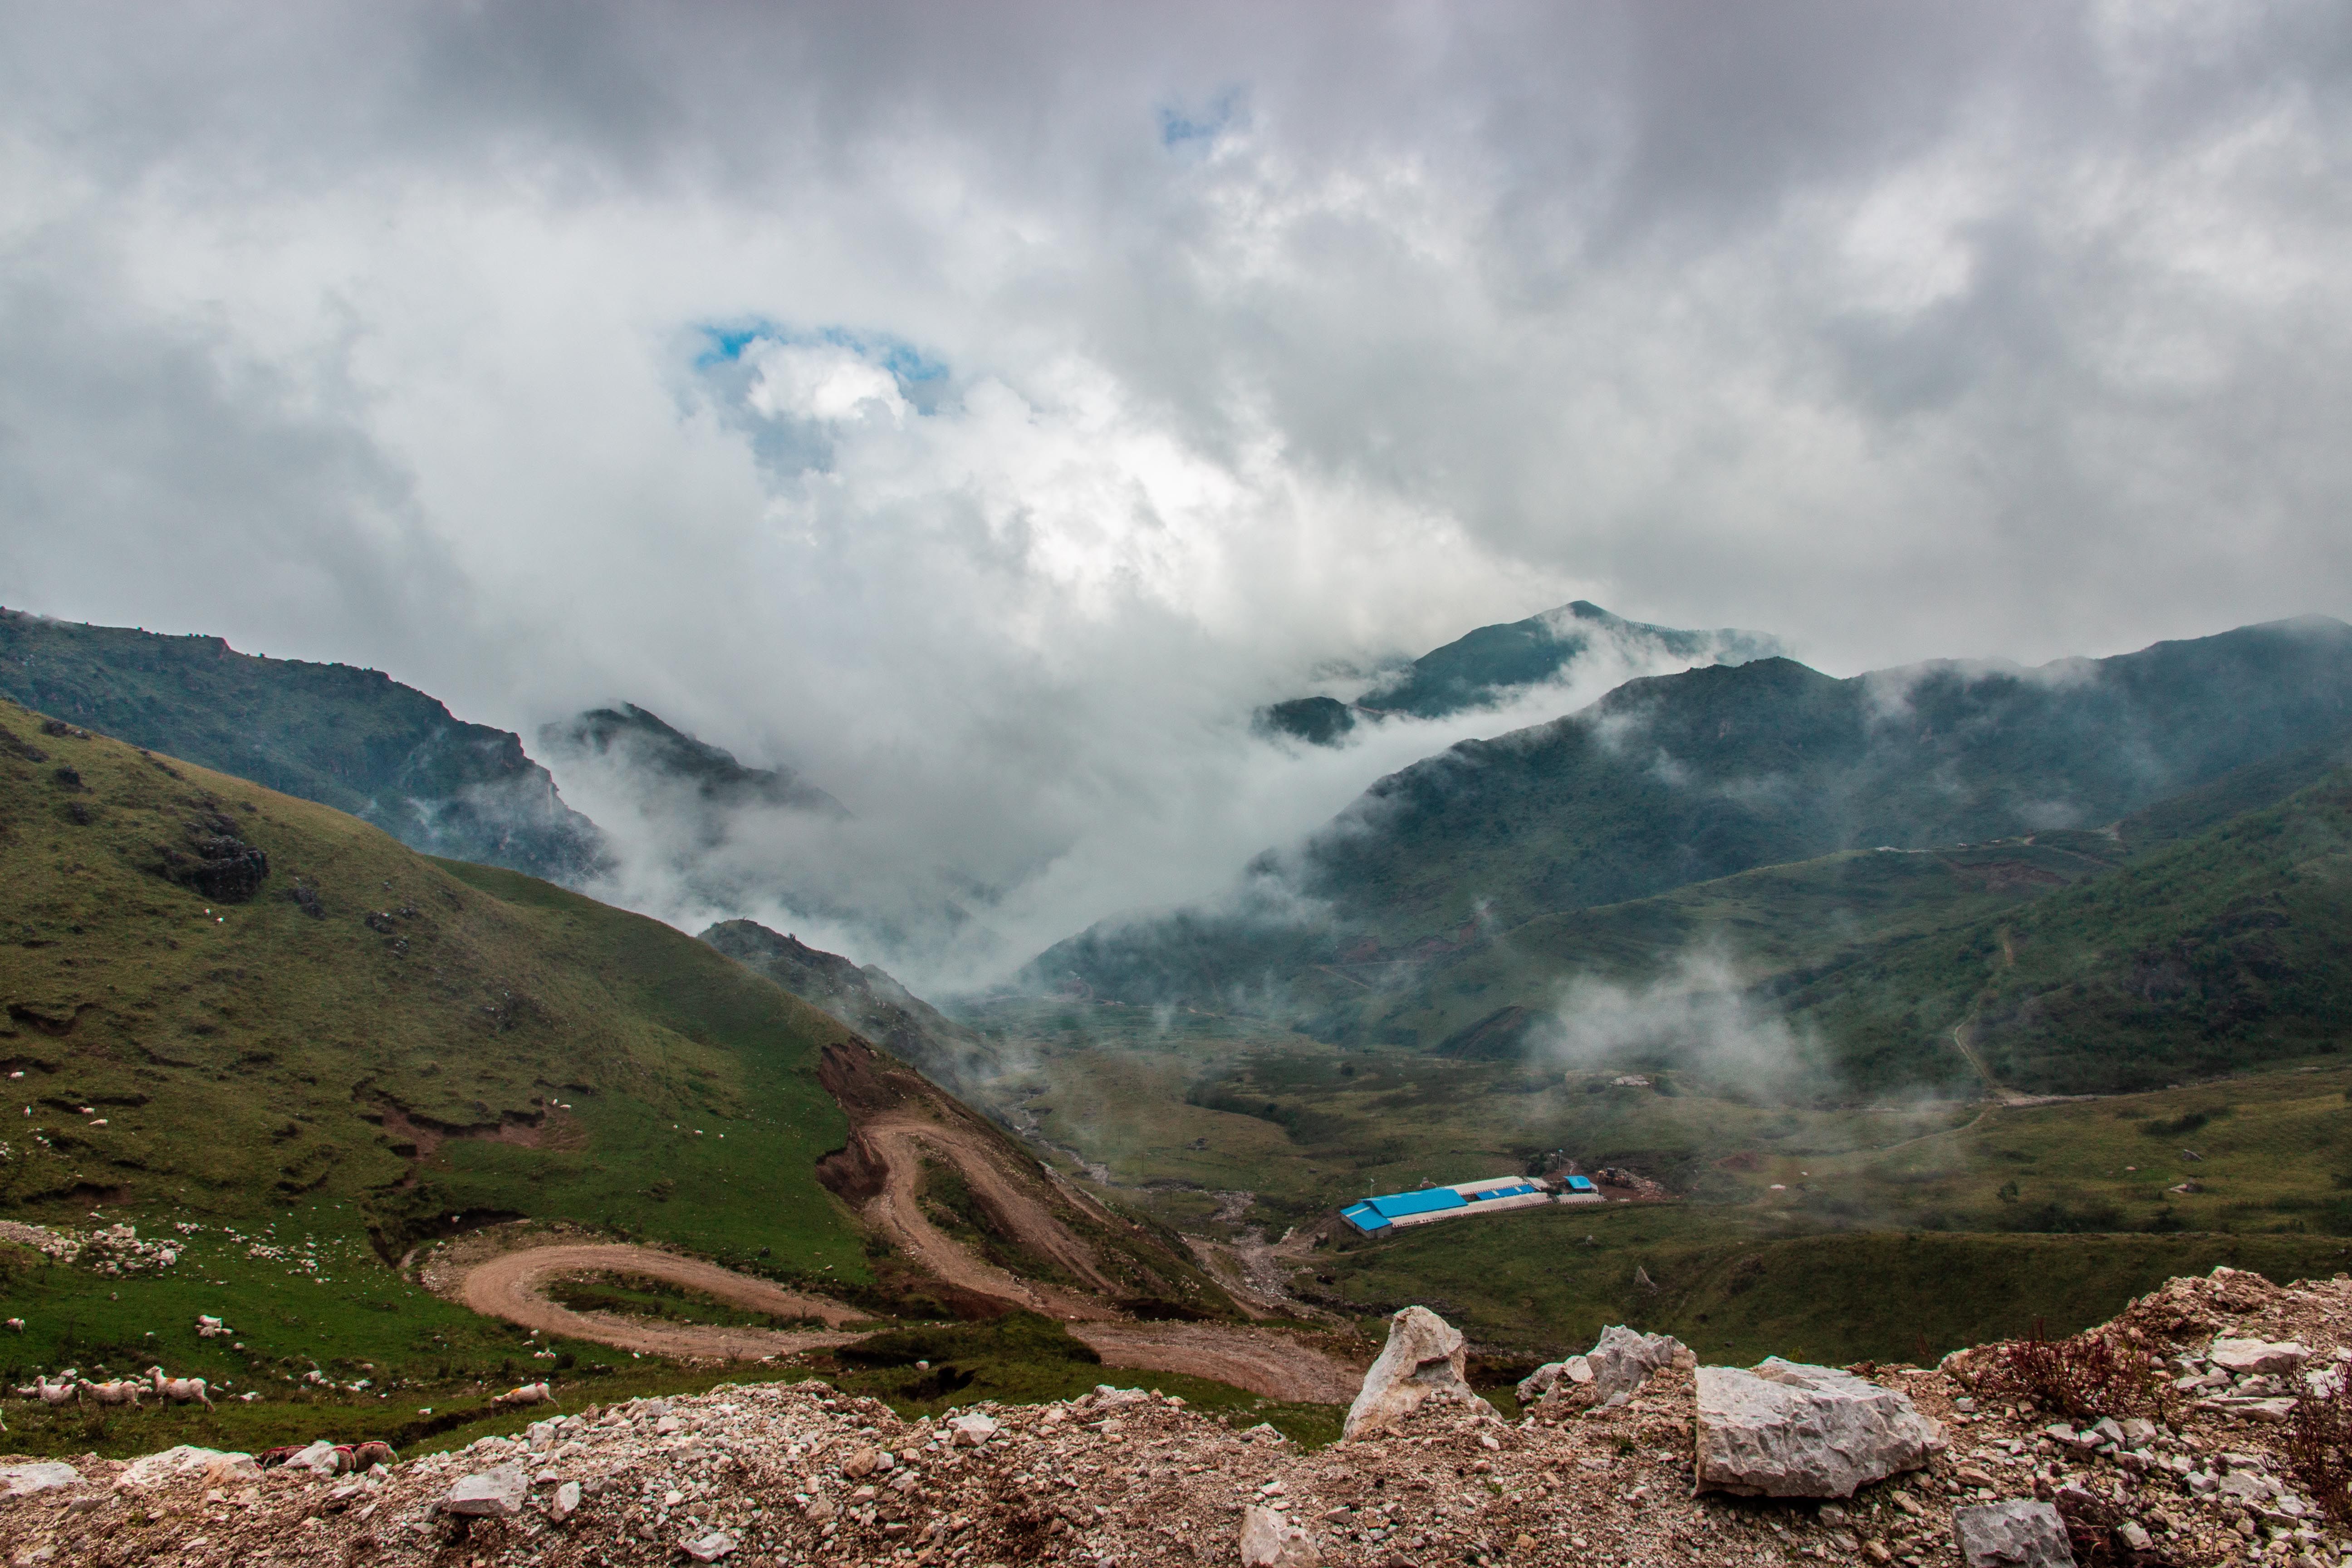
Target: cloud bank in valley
981,410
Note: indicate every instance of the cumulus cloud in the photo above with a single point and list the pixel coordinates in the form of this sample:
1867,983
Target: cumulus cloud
982,410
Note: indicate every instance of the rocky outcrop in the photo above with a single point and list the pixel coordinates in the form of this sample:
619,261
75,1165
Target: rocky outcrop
1424,1360
1791,1430
1617,1366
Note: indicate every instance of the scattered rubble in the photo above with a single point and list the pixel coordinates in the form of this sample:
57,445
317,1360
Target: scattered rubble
773,1475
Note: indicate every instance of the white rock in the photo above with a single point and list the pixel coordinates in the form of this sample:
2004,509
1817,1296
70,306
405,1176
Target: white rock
971,1430
566,1501
1551,1374
1270,1540
540,1436
490,1494
710,1548
2019,1533
1791,1430
219,1468
1622,1359
2257,1355
1106,1396
46,1475
1424,1359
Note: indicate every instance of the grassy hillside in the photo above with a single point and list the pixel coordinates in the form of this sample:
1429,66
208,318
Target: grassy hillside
352,739
397,1042
2210,954
1694,777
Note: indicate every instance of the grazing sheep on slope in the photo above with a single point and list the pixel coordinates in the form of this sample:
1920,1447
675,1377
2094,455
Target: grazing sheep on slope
529,1394
122,1391
180,1390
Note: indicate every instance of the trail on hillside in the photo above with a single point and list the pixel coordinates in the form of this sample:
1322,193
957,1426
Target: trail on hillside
899,1143
513,1286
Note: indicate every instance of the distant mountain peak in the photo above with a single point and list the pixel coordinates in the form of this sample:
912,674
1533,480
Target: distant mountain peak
1490,665
644,740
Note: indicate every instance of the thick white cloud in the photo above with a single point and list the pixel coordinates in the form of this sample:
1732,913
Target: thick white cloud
1094,373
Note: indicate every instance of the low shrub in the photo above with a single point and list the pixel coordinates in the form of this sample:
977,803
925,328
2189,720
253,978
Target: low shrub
2086,1376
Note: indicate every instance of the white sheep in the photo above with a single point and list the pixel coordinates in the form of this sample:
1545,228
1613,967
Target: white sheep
529,1394
48,1393
209,1328
15,1325
122,1391
180,1390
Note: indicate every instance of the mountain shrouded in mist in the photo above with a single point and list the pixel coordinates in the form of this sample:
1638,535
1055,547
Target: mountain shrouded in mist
1486,668
1684,778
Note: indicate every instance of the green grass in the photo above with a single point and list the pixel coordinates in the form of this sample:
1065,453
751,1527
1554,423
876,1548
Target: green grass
639,1296
254,1059
1736,1291
438,1045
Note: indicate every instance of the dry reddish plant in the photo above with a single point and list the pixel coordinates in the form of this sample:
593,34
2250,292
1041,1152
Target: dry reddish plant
2085,1376
2319,1446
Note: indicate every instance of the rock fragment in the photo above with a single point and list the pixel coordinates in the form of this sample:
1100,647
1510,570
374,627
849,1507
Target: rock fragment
44,1474
1425,1359
710,1548
565,1503
2018,1533
488,1494
969,1431
1270,1540
1792,1430
2253,1356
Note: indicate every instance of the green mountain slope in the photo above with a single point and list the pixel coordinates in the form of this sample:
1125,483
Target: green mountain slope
2200,957
352,739
222,1001
1688,778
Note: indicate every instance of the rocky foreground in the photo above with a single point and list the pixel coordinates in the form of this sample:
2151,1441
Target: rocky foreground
1601,1471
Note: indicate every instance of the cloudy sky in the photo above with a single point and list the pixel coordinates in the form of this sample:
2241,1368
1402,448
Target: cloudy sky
982,407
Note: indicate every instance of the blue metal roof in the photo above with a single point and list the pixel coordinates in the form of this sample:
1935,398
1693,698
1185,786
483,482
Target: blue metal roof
1580,1184
1429,1200
1515,1190
1364,1218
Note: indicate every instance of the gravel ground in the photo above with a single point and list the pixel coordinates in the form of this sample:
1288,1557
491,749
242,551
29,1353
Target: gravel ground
775,1475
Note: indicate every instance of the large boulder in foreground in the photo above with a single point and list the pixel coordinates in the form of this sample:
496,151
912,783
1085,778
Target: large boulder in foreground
1791,1430
1425,1359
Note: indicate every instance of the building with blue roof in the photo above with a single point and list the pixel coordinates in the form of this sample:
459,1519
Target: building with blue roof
1383,1215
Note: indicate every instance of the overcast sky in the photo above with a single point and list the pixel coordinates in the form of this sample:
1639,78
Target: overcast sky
984,407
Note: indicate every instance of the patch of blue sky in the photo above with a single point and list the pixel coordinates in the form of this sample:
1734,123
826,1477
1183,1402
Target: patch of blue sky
726,342
1194,131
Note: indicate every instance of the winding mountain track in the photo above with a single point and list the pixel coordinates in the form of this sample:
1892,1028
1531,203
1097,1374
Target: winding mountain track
1264,1360
900,1144
513,1286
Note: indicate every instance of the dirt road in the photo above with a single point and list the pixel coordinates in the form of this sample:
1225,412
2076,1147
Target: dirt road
513,1286
1264,1360
900,1144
